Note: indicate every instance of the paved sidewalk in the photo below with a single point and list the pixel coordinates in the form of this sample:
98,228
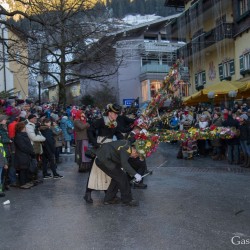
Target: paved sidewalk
189,204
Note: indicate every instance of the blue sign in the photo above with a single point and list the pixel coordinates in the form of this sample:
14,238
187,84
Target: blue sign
129,102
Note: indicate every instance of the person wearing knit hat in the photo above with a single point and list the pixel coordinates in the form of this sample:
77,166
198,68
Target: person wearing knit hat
15,112
23,114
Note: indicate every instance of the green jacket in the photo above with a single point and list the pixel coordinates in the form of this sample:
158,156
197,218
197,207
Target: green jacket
3,160
117,152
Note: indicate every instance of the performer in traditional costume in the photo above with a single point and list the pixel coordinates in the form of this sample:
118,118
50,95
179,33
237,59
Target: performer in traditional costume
101,131
112,158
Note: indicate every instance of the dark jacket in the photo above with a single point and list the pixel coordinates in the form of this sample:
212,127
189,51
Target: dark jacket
117,152
49,145
245,131
124,123
232,123
98,128
4,138
24,150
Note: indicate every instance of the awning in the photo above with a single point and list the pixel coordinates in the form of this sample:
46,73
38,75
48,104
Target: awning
221,88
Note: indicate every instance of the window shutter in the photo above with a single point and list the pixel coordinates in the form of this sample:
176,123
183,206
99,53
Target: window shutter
221,71
204,77
196,80
241,63
232,70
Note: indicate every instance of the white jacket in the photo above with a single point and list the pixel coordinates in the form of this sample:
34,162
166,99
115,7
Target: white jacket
30,129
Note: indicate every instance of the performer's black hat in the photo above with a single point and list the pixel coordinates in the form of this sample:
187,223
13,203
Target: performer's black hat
114,108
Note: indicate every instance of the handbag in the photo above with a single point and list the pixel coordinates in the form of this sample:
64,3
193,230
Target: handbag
33,165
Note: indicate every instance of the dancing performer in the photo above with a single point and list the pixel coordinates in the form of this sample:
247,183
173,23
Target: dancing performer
101,131
112,158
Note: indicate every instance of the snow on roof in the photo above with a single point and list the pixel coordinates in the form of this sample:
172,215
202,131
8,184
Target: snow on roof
143,21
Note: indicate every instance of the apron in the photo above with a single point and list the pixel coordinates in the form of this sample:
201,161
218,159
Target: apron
98,180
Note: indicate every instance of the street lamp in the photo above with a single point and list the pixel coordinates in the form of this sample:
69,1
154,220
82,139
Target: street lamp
211,96
232,94
39,79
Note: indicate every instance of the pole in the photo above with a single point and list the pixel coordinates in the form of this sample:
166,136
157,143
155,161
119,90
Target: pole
39,93
4,63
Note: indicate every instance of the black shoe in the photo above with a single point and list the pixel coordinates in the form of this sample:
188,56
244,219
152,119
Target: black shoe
140,186
47,176
57,176
87,197
116,200
132,203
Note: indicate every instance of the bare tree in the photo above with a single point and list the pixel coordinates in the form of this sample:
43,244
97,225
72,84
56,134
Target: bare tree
61,35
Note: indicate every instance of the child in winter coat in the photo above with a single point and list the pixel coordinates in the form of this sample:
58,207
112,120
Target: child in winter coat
67,129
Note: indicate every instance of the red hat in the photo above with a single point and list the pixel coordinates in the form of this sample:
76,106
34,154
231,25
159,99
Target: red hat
78,114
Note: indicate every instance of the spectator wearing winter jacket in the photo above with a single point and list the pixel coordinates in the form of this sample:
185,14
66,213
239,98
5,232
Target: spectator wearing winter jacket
66,125
9,148
58,136
245,139
23,153
49,149
3,166
232,144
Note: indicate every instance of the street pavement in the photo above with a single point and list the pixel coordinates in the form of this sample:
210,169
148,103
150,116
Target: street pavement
189,204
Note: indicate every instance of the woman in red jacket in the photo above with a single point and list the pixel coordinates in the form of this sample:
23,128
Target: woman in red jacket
82,142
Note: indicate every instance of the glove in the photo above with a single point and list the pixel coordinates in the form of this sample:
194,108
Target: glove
138,177
96,145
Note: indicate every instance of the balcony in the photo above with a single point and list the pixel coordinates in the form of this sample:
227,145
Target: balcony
154,68
155,46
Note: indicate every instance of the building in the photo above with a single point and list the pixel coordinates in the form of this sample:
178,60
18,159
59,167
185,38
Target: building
147,56
73,93
216,33
13,75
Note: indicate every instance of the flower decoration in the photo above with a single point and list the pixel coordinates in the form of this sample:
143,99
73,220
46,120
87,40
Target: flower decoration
198,134
146,143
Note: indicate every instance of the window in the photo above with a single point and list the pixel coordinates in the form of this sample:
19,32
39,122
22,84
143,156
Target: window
200,80
245,63
154,87
144,91
226,70
244,6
